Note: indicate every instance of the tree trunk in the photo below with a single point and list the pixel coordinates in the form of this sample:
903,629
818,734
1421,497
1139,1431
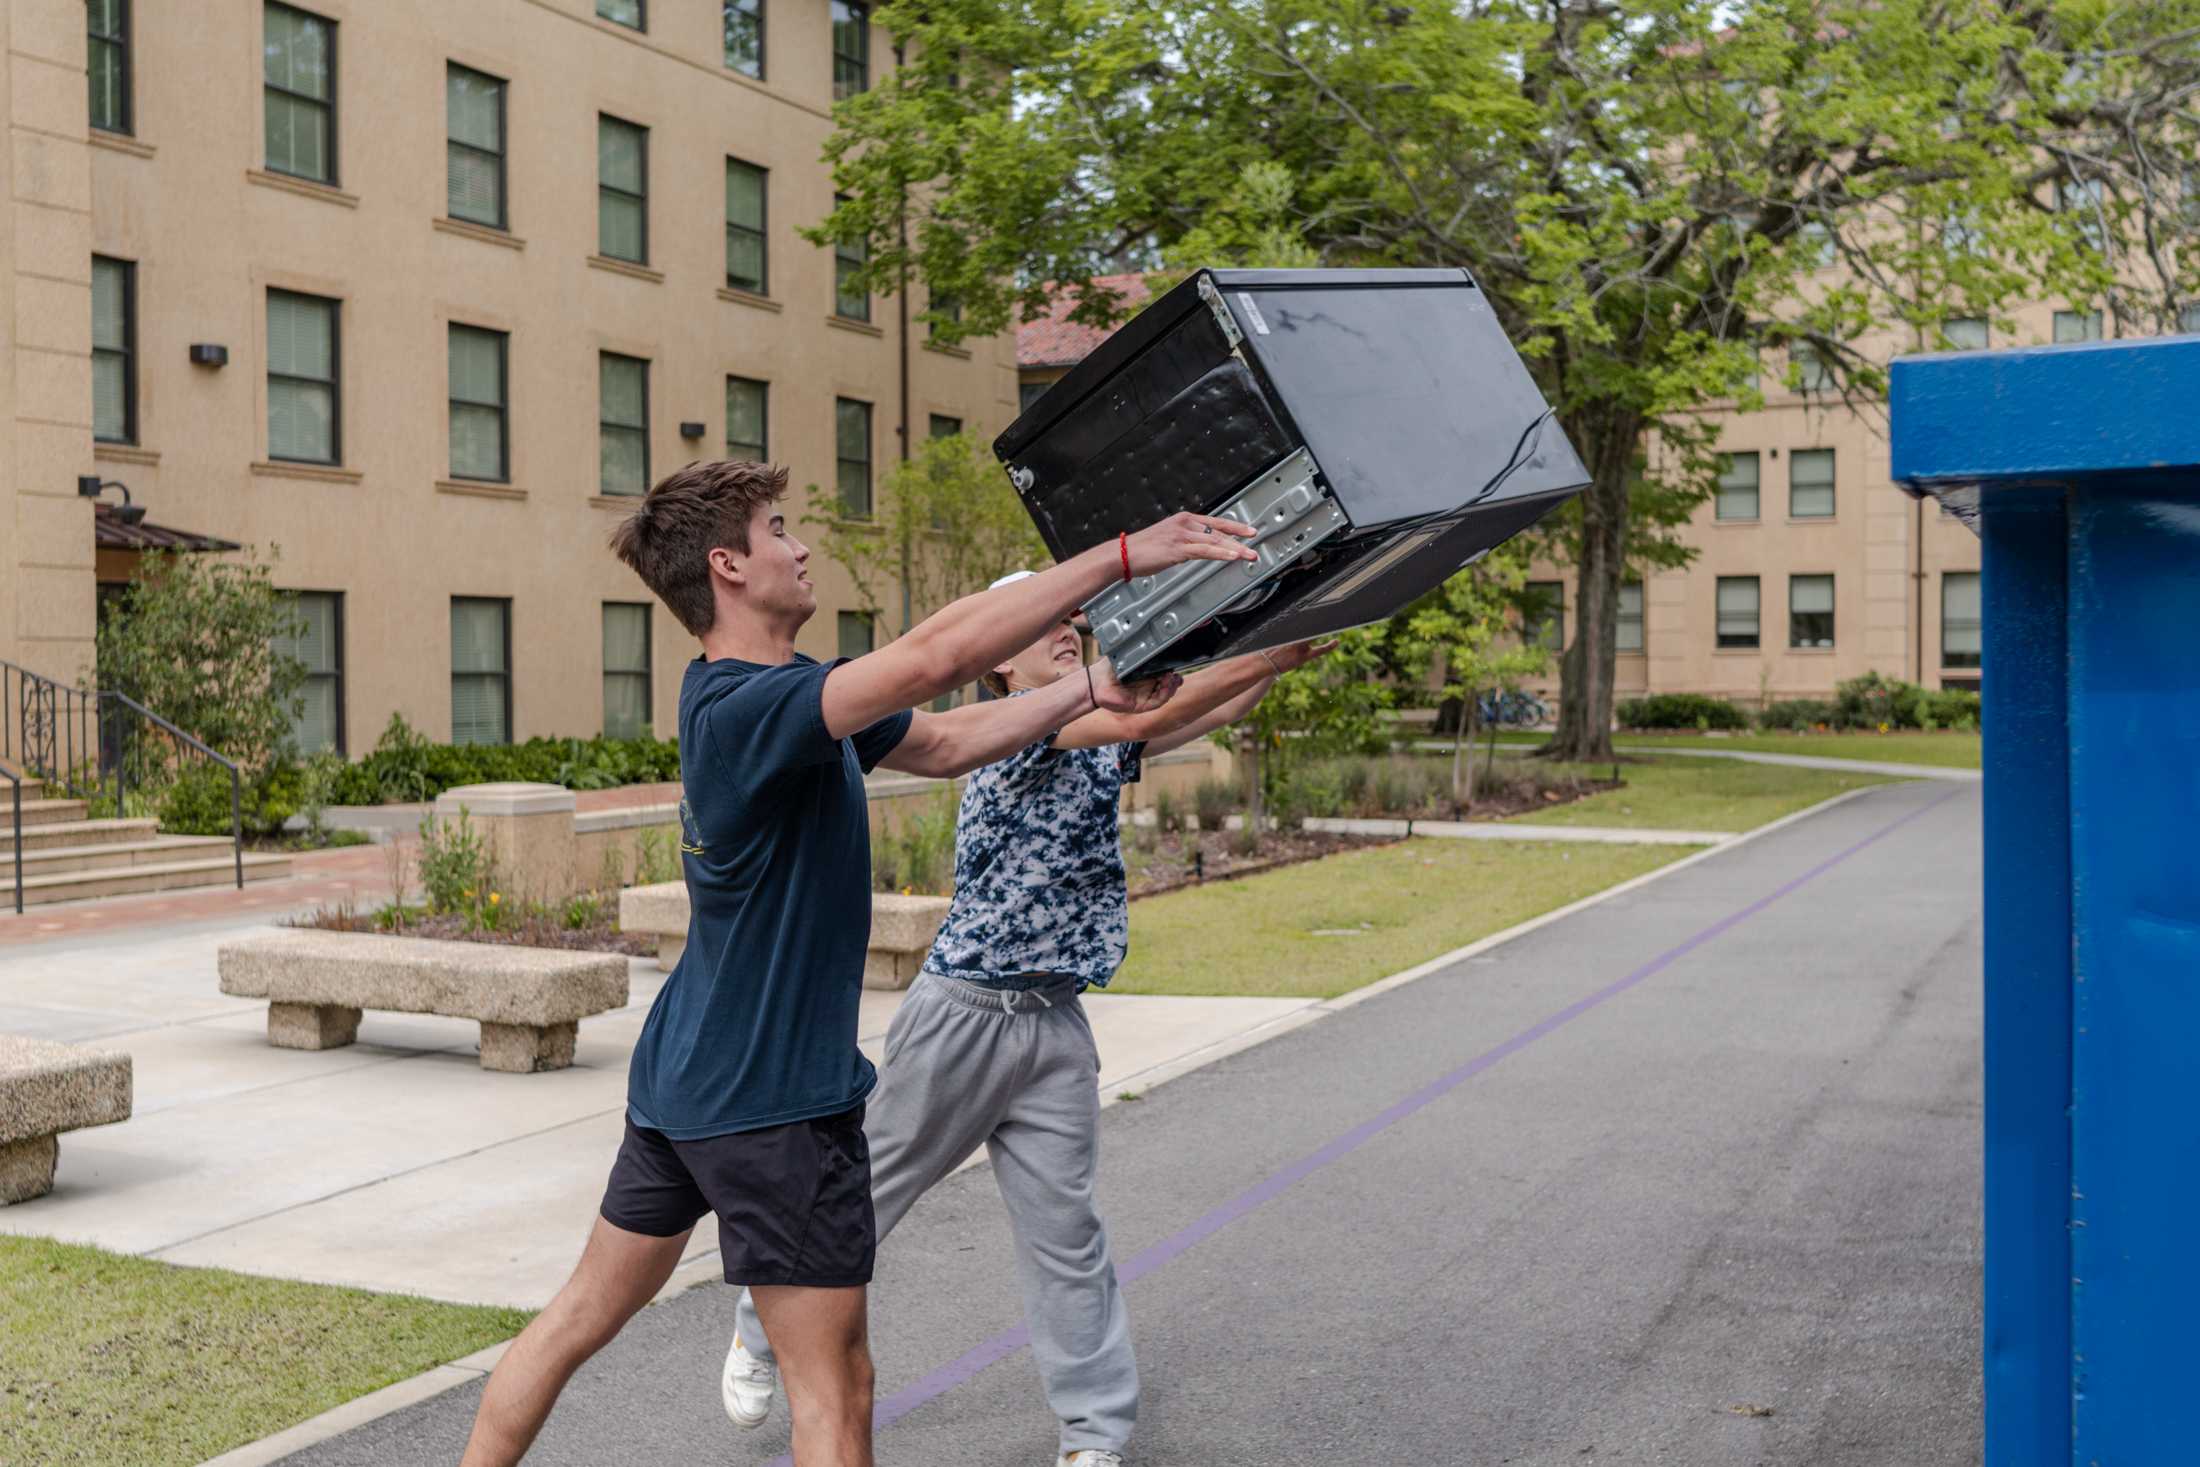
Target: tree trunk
1462,761
1589,665
1253,792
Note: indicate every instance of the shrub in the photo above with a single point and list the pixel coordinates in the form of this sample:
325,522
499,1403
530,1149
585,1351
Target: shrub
1953,708
1215,801
1681,710
456,871
406,766
1872,701
656,858
1168,816
1799,714
197,802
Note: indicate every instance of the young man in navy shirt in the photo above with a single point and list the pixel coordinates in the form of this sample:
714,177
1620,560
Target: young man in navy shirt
745,1096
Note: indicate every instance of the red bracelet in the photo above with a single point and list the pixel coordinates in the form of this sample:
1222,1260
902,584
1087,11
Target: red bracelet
1123,542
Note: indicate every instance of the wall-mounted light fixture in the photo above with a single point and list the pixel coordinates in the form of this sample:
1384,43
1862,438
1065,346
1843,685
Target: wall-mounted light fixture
88,486
691,430
209,354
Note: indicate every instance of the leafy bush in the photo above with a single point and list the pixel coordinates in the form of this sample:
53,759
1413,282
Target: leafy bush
1872,701
456,870
656,858
197,801
1215,801
1681,710
1799,715
405,766
1953,708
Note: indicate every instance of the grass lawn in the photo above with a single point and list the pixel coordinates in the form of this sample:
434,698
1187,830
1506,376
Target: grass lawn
1947,750
1700,794
106,1358
1326,927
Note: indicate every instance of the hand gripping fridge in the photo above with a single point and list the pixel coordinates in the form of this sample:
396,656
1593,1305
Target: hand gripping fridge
1375,427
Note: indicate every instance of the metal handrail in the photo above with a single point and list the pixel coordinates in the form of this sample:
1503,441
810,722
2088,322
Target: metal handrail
236,776
62,728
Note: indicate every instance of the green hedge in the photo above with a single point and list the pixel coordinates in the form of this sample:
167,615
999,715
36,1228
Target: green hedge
404,766
1800,715
1681,710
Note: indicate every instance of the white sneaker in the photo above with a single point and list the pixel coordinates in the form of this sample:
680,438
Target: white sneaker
748,1385
1089,1457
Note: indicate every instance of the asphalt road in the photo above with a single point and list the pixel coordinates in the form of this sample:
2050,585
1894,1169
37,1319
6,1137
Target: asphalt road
1690,1177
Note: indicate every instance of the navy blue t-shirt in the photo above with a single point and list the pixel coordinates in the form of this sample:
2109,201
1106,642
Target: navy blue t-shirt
757,1024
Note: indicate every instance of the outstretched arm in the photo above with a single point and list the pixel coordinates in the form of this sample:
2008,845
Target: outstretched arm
1209,698
966,637
944,745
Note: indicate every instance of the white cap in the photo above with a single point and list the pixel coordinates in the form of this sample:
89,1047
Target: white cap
1011,576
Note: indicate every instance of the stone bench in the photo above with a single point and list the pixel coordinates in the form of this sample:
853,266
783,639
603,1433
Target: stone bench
528,1000
47,1088
902,929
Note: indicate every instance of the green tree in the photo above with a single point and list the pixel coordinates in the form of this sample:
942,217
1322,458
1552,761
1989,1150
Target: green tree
946,518
1648,193
193,639
1333,705
1465,632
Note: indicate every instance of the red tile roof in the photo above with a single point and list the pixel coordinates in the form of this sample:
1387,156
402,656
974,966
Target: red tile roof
1055,341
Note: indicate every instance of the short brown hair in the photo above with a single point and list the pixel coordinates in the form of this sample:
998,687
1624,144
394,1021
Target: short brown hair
692,511
993,683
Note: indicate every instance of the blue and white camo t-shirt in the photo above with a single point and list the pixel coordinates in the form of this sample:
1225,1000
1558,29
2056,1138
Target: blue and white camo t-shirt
1039,887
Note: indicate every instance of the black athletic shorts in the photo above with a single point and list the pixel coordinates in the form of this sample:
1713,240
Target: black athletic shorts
793,1202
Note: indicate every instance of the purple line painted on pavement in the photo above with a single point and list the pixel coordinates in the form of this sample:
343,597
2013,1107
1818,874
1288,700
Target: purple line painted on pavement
1008,1342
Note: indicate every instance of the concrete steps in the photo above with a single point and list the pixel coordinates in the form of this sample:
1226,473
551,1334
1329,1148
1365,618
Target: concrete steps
220,870
41,811
76,833
107,855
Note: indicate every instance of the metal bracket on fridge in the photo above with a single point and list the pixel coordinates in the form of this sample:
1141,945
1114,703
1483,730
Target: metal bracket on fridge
1290,513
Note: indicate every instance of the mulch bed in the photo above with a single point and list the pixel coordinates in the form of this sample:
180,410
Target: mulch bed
1171,864
601,937
1520,802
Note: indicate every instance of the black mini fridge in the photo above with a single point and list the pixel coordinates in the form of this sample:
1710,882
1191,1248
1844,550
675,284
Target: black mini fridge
1374,426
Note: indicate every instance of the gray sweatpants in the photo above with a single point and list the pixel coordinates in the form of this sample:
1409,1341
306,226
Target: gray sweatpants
1021,1076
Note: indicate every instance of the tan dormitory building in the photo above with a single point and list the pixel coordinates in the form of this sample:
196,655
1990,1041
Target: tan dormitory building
423,295
1811,566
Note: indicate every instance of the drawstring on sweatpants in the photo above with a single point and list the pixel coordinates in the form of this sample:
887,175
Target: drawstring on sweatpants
1010,995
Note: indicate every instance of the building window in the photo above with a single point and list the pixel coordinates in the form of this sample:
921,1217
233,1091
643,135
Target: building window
945,308
299,73
108,48
2188,319
851,48
1810,611
857,634
628,13
317,641
480,437
304,419
943,426
1737,607
1629,635
745,253
852,449
625,669
1028,393
1812,374
1810,484
748,412
481,670
745,37
623,424
114,350
850,300
2077,326
1737,493
622,190
1965,333
1817,243
1959,619
473,106
1543,615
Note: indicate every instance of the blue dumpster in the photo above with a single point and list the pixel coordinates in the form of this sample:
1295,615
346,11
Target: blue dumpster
2079,467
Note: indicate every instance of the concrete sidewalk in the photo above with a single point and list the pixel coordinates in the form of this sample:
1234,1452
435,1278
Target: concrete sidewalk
397,1163
1814,761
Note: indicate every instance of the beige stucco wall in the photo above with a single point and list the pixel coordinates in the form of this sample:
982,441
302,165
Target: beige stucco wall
211,234
45,372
